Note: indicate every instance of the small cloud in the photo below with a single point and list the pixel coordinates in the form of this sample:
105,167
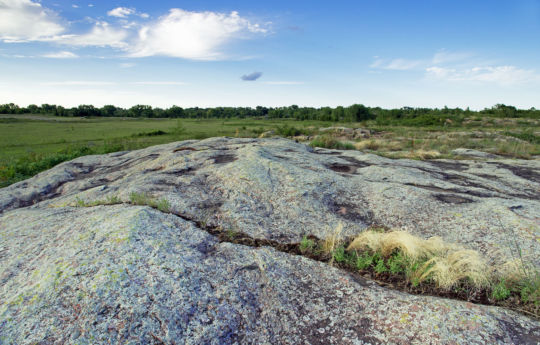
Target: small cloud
75,6
252,76
127,65
61,55
396,64
144,15
121,12
90,5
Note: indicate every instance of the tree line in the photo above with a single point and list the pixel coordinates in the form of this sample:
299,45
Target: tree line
353,113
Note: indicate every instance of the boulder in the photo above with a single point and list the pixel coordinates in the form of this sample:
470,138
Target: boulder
128,274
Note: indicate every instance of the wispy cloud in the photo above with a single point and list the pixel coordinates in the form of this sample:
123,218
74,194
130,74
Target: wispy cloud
252,76
396,64
460,67
501,75
61,55
101,35
127,65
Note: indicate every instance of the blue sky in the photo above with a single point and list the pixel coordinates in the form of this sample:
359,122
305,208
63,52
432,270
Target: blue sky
272,53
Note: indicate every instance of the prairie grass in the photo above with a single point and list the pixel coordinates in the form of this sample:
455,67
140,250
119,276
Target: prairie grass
332,242
110,200
144,199
329,142
445,266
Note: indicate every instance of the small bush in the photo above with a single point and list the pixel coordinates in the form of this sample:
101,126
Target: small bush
500,291
143,199
364,261
306,245
329,142
380,267
339,254
288,131
397,263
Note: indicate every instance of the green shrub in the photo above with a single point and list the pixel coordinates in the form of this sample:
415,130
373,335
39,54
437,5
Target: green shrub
364,261
500,291
380,267
306,245
329,142
397,263
339,254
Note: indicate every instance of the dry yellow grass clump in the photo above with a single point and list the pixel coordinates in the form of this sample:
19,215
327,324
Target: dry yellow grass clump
445,263
333,241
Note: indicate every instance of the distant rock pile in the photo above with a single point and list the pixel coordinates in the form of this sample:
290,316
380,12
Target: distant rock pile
80,265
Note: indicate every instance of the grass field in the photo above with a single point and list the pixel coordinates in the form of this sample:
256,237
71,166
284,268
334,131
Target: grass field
32,143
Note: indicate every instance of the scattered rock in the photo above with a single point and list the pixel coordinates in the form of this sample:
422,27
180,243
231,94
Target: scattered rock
474,153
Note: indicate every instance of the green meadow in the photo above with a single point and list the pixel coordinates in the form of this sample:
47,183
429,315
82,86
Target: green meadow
33,143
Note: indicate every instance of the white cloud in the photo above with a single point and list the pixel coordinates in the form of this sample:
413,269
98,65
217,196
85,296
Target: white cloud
396,64
25,20
121,12
192,35
101,35
502,75
75,6
127,65
61,55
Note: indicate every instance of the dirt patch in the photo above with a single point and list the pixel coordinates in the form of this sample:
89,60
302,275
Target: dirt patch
355,162
342,168
452,199
449,165
525,173
224,159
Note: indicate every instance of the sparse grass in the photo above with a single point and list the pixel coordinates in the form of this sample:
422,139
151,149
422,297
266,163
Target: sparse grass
430,265
110,200
332,242
144,199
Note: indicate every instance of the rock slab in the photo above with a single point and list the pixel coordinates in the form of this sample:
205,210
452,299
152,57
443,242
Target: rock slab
124,274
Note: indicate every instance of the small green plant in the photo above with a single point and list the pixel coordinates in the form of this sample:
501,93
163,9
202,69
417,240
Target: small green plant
111,200
329,142
364,261
339,254
231,234
141,199
397,263
380,267
500,291
306,245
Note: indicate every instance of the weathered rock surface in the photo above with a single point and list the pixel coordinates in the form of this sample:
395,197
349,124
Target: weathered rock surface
127,274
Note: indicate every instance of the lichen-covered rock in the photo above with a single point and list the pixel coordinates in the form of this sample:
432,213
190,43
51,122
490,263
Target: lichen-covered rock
133,275
127,274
